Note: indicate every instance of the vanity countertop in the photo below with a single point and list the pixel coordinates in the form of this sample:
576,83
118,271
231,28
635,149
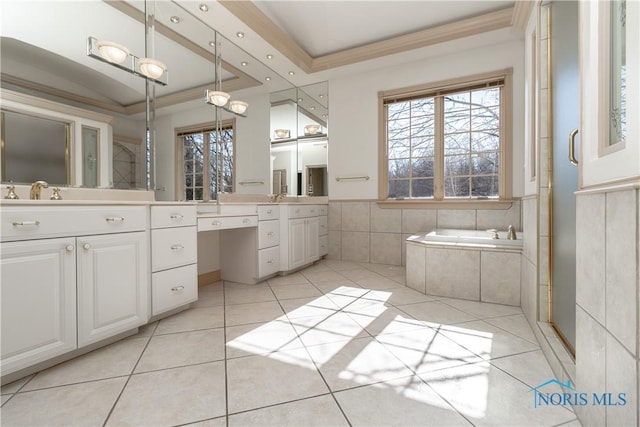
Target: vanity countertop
65,202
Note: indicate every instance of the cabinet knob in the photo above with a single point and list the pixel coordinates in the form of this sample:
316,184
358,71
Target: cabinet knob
176,216
269,211
177,247
69,248
270,233
270,261
177,288
215,223
114,219
245,221
86,246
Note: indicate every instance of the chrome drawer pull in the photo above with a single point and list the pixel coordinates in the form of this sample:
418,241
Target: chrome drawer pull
269,212
115,219
177,247
216,223
176,216
270,261
245,221
177,288
25,223
270,233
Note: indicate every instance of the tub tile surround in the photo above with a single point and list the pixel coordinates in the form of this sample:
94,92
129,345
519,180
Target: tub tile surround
348,217
387,359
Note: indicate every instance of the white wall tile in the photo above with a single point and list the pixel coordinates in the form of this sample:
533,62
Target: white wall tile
590,255
500,277
404,247
499,218
530,230
386,248
590,365
416,220
335,215
543,164
355,216
455,218
416,265
335,245
453,273
543,303
621,268
544,212
385,220
528,290
621,377
355,246
543,260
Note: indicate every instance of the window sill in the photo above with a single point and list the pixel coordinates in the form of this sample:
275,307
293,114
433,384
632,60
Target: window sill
446,204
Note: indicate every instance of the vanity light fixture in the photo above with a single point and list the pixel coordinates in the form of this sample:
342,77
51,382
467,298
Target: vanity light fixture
152,68
119,56
203,7
240,34
112,51
218,98
175,19
238,107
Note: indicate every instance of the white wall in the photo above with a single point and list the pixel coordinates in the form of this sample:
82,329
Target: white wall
353,146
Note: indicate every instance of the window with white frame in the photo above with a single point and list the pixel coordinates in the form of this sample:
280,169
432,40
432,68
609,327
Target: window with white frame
198,150
447,141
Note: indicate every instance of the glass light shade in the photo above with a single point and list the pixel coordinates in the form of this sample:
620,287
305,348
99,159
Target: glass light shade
152,68
112,52
218,98
238,106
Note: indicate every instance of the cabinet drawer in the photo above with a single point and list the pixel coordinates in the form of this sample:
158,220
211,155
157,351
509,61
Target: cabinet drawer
268,233
19,223
173,247
323,228
268,212
322,209
323,243
268,261
172,288
303,211
173,216
225,222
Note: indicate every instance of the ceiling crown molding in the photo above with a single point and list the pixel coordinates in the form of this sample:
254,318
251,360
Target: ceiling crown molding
521,12
255,19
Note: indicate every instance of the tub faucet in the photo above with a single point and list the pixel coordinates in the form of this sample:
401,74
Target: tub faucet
36,187
511,233
494,233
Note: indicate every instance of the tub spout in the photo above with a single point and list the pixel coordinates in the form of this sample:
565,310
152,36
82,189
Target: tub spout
511,233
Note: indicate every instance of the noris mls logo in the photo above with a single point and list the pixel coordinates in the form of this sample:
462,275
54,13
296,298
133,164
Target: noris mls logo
568,395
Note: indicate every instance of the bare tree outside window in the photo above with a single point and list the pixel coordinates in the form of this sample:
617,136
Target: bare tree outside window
464,126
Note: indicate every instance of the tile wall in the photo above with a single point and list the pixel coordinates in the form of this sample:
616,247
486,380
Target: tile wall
361,231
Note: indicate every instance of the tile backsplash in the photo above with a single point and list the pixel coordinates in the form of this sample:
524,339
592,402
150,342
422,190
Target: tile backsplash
361,231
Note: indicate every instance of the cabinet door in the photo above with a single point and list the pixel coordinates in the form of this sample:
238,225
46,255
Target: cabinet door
38,301
312,245
297,239
113,282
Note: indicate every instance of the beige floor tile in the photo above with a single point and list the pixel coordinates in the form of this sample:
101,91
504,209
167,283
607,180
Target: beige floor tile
531,368
487,396
300,290
86,404
210,296
341,301
145,330
386,269
354,363
248,340
337,265
215,422
482,310
192,320
376,317
4,398
185,348
327,275
257,312
316,411
14,386
359,273
172,396
258,381
248,294
425,350
316,330
399,296
378,283
485,340
401,402
341,287
309,306
114,360
516,324
435,313
290,279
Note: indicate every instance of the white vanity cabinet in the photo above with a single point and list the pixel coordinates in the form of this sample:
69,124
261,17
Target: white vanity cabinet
300,230
323,231
174,257
62,260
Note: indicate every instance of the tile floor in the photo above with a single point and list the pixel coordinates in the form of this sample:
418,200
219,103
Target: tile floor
336,344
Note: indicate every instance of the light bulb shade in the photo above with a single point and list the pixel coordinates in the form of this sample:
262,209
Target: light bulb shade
238,107
112,52
218,98
152,68
311,129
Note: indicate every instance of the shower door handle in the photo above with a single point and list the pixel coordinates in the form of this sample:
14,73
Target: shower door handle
572,147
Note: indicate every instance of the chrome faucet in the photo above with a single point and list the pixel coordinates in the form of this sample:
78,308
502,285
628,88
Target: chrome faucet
277,198
36,187
511,233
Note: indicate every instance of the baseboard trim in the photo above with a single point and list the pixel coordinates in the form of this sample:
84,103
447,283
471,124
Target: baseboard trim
208,278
